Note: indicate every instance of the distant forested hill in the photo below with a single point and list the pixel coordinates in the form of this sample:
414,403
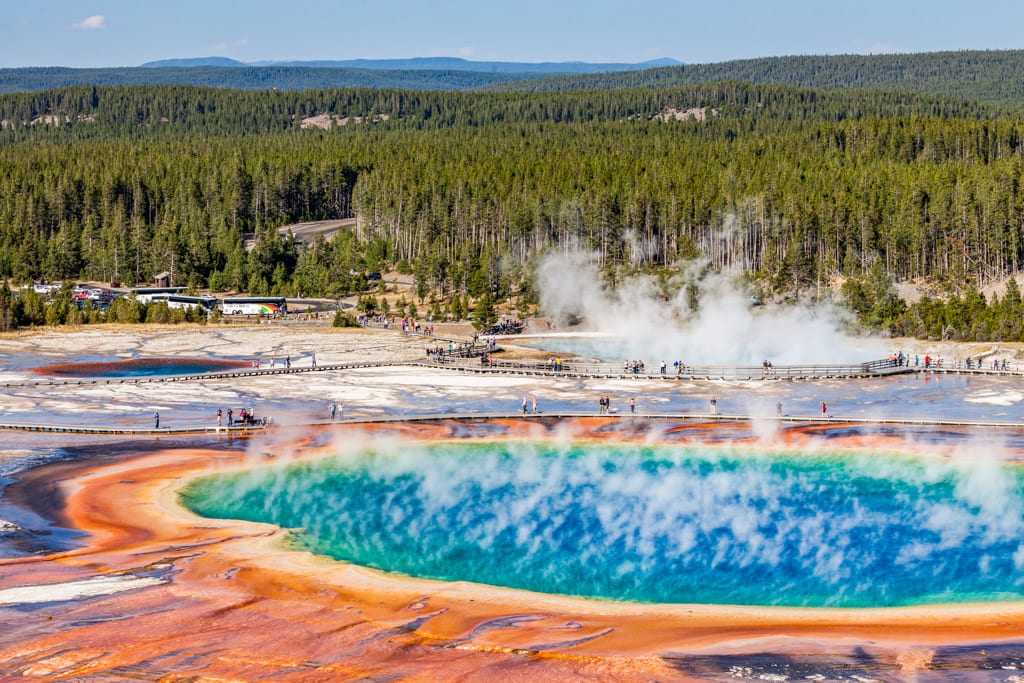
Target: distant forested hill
431,73
250,78
995,76
436,64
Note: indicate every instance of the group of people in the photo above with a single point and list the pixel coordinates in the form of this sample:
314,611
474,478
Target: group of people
633,367
525,404
900,359
287,362
409,325
335,410
379,319
510,326
638,367
246,416
438,353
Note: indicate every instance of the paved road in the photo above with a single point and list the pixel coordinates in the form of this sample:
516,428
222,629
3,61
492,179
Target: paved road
307,232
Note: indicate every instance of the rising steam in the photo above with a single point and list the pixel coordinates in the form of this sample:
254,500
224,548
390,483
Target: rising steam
655,523
723,328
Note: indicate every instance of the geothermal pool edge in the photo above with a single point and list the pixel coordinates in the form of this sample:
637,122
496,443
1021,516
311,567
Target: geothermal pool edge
239,604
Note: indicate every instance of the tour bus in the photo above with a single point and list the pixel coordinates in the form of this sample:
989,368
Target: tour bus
254,305
145,294
182,301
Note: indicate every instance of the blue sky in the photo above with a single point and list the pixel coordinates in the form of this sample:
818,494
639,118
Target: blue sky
91,33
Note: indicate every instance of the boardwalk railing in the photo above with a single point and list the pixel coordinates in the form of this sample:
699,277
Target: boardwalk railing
114,429
700,417
577,368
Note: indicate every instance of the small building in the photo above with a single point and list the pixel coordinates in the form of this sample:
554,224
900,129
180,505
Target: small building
162,279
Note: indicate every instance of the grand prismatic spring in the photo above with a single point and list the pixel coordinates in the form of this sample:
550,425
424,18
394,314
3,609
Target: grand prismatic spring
433,532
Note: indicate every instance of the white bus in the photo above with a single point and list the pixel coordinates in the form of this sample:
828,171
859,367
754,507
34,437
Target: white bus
146,294
254,305
181,301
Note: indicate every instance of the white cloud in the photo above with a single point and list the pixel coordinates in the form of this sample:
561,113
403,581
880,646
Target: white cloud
93,23
224,47
464,52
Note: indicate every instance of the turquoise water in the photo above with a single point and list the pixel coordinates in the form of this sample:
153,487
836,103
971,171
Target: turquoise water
671,524
141,367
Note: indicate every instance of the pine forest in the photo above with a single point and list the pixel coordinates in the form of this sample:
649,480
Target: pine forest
808,193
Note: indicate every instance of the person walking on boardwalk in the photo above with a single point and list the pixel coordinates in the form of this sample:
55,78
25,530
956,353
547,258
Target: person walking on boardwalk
156,420
332,407
824,409
714,405
534,397
524,405
632,405
220,416
778,408
313,357
230,417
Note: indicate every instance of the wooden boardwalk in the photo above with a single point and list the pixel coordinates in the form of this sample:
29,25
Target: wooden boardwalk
187,430
575,369
570,369
695,417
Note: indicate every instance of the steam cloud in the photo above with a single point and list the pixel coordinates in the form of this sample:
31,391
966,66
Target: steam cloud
725,329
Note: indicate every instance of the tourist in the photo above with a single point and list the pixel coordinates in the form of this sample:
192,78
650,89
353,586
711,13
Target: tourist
632,405
524,405
156,420
332,408
662,367
220,416
778,409
313,359
534,397
714,405
288,362
231,419
824,409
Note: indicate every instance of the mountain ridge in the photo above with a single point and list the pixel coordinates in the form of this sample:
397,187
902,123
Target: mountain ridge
423,64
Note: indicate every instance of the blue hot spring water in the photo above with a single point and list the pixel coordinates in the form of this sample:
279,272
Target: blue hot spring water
141,367
671,524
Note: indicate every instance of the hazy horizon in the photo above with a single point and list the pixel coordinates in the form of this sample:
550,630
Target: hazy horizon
123,33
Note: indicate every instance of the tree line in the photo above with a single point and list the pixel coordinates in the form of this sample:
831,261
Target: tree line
793,187
991,76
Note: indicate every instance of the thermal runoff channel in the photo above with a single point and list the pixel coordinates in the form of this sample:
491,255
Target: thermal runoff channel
665,523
